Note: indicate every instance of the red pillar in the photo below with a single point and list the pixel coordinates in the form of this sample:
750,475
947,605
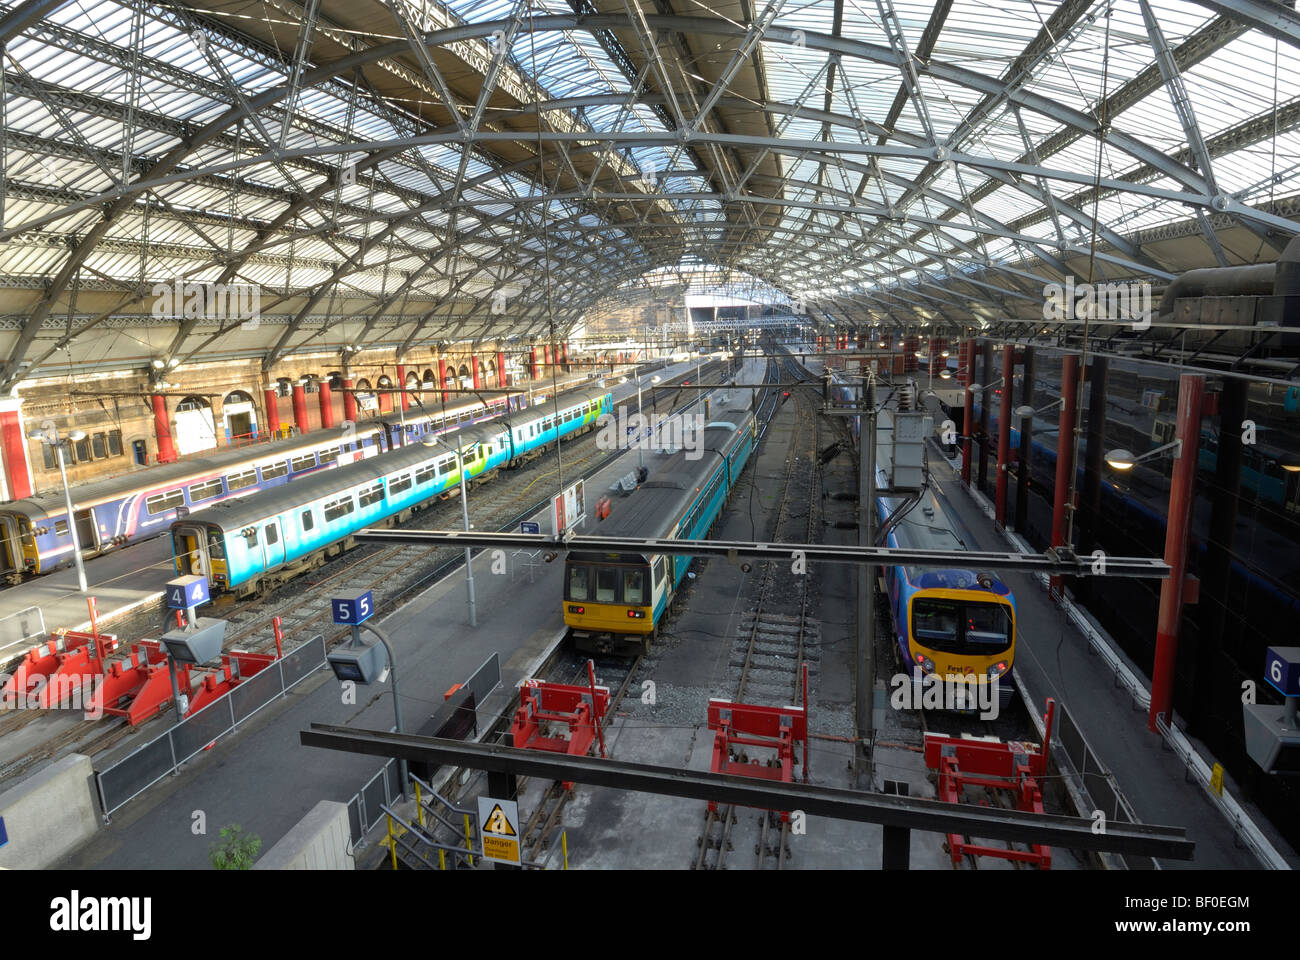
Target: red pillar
565,361
473,369
442,377
300,408
1004,435
1191,399
1064,455
532,362
349,402
326,406
401,382
272,410
17,468
968,417
163,428
502,379
385,402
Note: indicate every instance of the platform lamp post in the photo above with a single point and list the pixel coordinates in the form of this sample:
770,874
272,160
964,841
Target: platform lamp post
361,662
640,450
50,436
432,441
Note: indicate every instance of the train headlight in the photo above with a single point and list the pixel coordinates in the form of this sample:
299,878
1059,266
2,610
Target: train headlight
574,608
925,663
636,614
997,670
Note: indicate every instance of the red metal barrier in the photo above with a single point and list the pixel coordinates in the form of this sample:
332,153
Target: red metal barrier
541,703
750,725
58,668
1016,767
235,669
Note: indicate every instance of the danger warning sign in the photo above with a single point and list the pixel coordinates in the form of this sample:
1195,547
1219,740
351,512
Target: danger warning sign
499,820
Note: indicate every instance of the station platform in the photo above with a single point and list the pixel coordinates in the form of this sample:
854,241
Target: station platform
130,580
263,779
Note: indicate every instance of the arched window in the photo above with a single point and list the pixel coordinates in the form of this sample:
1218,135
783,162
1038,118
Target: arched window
430,380
335,380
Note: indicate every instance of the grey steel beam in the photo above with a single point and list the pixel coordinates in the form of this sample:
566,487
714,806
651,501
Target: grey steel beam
1054,562
934,816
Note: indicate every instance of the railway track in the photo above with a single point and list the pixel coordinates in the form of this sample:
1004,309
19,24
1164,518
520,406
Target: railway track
778,636
303,604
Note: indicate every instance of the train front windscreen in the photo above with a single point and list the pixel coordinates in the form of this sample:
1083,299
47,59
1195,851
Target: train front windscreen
964,628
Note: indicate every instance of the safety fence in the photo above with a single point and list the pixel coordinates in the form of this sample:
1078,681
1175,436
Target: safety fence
1093,780
129,776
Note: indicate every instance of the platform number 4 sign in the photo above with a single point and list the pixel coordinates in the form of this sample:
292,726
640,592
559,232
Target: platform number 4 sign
186,592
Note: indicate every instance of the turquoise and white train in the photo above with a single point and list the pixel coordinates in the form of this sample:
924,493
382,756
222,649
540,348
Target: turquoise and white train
264,539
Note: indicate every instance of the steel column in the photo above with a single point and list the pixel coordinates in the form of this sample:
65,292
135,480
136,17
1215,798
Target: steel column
300,408
349,403
1004,434
272,397
1026,446
163,430
1191,394
985,379
968,417
326,397
1094,452
1064,454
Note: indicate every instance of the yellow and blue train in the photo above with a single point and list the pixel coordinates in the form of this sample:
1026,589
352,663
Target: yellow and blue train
949,622
259,541
615,602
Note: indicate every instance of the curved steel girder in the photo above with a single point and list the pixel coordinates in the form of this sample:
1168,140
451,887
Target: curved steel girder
870,52
844,47
1267,16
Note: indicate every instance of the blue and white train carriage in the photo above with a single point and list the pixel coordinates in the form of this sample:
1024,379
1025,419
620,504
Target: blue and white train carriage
265,539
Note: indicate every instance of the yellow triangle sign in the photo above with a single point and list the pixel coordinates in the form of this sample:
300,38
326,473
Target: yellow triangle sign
498,823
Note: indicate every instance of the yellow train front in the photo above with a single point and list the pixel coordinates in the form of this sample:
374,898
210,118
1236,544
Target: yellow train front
614,602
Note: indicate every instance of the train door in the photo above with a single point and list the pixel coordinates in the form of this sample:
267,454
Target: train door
11,553
87,530
272,545
190,549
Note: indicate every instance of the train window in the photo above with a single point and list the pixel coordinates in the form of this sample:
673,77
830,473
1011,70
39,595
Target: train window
61,527
371,495
328,455
337,509
99,443
272,534
934,621
250,537
446,467
162,502
303,463
661,570
578,589
425,474
272,470
634,587
606,586
986,623
216,545
237,481
400,485
205,490
308,521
